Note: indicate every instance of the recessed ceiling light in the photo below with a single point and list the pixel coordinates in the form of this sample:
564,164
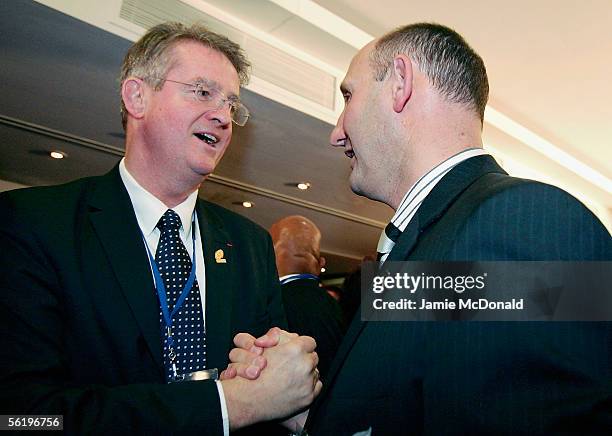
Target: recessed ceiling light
323,270
57,154
303,185
248,204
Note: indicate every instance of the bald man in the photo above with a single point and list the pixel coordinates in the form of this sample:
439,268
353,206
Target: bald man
310,310
411,127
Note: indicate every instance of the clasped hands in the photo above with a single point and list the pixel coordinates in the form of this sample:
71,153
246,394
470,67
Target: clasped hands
270,377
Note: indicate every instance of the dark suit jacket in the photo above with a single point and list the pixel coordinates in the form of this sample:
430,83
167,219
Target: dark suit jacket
79,314
311,311
473,378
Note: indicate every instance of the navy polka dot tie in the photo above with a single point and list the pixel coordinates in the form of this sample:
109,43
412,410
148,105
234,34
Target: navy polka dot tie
174,266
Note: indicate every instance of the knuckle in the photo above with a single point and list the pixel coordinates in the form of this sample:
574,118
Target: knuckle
293,347
234,354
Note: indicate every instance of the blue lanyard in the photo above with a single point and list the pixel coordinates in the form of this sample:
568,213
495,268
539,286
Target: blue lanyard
161,288
299,277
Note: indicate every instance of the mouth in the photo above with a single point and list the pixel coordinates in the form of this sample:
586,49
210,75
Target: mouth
208,138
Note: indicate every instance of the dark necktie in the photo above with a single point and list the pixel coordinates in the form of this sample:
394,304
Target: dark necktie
174,266
387,241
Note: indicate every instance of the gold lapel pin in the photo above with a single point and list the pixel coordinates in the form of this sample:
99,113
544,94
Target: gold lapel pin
220,256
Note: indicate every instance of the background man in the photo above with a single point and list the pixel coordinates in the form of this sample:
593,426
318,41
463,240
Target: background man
310,310
86,331
411,127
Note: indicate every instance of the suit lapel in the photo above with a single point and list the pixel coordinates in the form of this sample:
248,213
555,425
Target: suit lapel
437,202
113,219
440,199
355,329
218,261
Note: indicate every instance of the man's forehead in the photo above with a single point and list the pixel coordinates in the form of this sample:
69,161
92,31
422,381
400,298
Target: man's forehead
204,67
360,66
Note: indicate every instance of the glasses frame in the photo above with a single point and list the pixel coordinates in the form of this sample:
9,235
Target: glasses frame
238,110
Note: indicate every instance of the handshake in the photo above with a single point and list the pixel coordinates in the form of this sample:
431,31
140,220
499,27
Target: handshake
271,377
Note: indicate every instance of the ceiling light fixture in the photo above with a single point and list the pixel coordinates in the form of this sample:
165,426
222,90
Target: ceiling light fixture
57,154
323,270
247,204
303,185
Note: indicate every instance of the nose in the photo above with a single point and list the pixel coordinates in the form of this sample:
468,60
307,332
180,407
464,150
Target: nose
221,114
337,138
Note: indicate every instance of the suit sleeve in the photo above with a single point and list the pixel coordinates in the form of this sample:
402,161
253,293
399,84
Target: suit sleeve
532,221
524,377
275,301
35,368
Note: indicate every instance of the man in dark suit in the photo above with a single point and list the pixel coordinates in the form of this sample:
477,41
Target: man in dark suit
310,310
411,126
97,330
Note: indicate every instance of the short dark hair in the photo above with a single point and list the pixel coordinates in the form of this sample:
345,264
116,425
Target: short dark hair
150,57
451,65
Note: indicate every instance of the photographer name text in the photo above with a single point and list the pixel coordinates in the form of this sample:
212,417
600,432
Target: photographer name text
463,303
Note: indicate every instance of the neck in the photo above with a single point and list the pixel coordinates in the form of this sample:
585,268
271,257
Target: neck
285,270
445,135
169,191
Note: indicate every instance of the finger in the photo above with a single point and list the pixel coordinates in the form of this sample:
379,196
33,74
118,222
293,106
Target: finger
315,359
247,371
316,378
228,373
318,387
247,342
307,343
270,339
285,336
275,336
238,355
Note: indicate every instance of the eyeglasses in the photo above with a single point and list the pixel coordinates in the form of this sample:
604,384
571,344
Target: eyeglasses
215,98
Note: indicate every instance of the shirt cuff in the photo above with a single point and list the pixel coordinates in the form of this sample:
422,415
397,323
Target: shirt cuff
224,415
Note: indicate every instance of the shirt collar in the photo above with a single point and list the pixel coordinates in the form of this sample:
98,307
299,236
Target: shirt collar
292,277
417,193
288,276
149,208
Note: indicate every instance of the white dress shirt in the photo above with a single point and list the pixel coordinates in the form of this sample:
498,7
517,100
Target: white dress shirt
149,209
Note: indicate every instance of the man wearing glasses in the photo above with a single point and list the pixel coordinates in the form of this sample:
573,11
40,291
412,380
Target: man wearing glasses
120,294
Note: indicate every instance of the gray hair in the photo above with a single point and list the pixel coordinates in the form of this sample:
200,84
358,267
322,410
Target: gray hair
150,57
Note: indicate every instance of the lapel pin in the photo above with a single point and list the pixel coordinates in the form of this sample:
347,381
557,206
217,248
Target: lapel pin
220,256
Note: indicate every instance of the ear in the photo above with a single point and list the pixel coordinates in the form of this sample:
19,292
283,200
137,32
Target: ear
401,81
132,93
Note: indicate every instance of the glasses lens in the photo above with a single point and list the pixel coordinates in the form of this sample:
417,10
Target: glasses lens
240,115
203,94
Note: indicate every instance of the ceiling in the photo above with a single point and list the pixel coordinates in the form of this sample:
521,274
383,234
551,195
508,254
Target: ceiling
549,61
549,66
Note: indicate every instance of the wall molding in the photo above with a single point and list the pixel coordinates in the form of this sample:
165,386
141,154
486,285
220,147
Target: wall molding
220,180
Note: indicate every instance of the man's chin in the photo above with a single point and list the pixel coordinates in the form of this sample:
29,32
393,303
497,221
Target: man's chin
357,187
203,171
205,167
